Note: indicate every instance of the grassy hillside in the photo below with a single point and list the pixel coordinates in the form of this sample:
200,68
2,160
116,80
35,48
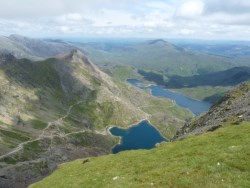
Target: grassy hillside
214,159
205,93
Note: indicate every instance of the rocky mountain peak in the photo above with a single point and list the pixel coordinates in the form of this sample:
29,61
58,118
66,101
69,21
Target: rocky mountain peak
76,52
158,41
76,55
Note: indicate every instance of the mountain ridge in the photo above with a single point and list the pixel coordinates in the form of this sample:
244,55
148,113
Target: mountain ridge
30,48
160,56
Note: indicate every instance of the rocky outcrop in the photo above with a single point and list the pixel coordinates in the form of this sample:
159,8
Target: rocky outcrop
20,170
234,107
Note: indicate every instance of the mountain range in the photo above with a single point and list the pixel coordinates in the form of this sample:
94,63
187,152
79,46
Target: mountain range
34,49
161,56
56,106
208,76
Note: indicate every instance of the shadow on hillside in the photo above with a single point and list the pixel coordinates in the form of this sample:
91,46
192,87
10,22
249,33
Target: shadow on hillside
230,77
50,75
54,84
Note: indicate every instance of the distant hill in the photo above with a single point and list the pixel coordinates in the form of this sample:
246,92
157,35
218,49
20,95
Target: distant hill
59,109
24,47
232,49
230,77
197,74
160,56
209,87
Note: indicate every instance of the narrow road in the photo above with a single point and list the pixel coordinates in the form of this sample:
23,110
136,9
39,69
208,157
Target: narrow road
42,135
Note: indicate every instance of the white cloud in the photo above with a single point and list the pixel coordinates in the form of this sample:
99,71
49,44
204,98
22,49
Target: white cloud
190,9
72,17
229,6
109,17
141,18
186,32
229,19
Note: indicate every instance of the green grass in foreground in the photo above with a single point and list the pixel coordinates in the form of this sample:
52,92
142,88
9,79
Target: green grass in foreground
215,159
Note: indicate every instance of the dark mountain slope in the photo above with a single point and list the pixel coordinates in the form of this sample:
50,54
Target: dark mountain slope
234,107
230,77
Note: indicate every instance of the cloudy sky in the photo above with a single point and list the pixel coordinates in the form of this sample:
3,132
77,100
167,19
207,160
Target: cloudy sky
207,19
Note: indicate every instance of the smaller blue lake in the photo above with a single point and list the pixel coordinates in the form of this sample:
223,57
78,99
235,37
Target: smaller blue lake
140,136
196,106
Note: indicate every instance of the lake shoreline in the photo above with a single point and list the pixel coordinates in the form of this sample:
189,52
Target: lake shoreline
142,135
131,125
197,107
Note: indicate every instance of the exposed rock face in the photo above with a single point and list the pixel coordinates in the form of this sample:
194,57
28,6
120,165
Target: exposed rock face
233,107
35,49
23,173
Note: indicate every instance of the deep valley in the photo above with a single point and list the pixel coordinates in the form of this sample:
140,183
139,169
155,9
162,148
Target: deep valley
59,99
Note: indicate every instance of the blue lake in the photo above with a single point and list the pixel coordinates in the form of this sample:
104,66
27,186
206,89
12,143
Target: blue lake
144,135
140,136
196,106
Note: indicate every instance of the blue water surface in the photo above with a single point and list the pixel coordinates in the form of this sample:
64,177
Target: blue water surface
140,136
196,106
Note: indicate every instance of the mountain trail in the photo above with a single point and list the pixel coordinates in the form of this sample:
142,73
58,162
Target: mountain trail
43,135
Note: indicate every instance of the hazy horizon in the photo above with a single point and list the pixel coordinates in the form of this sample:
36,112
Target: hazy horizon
145,19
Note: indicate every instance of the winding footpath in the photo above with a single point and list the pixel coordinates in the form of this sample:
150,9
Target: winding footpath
43,134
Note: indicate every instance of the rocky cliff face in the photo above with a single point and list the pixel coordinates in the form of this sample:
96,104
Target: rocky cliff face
234,107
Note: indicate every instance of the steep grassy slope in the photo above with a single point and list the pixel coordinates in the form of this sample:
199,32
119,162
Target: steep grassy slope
58,110
215,159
